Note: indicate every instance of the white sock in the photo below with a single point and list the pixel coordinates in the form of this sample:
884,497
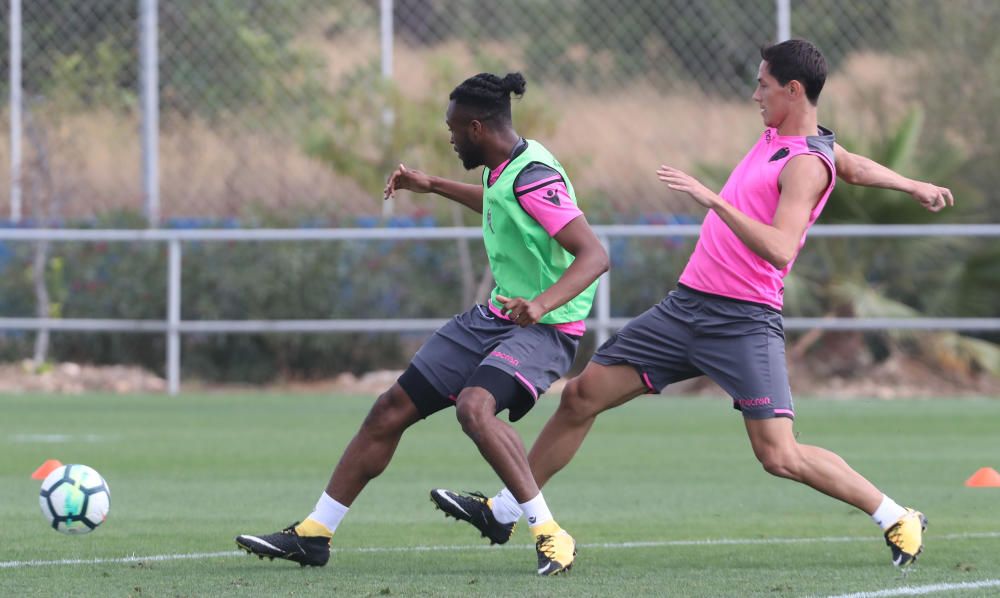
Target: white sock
887,513
536,511
505,507
328,512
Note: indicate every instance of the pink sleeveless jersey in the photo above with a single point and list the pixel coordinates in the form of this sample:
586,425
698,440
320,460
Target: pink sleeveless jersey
721,264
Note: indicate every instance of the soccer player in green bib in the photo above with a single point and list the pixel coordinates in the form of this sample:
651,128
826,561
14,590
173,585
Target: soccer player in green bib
545,260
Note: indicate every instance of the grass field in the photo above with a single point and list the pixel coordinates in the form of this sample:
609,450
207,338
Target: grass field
665,499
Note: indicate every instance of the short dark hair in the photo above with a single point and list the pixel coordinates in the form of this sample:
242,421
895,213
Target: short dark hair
797,60
488,96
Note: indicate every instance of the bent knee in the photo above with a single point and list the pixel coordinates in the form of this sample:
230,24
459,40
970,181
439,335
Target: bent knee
783,464
392,413
473,412
577,403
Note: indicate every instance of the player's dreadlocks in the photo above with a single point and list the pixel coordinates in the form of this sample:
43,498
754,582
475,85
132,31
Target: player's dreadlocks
488,95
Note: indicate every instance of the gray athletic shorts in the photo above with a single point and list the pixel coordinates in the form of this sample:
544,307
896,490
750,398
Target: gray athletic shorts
739,345
535,356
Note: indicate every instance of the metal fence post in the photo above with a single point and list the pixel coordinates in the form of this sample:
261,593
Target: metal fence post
784,19
174,317
15,110
386,34
603,299
150,110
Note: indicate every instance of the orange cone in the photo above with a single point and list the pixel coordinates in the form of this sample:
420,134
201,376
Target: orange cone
986,477
51,465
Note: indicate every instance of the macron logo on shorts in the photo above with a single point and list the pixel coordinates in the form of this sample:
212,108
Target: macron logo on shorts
508,358
758,402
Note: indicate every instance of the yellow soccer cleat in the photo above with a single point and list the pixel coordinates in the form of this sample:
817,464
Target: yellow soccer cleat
906,538
556,550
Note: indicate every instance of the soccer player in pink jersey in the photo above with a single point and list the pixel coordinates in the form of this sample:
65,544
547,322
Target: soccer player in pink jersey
724,319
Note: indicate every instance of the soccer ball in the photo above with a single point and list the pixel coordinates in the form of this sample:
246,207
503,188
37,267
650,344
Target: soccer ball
75,499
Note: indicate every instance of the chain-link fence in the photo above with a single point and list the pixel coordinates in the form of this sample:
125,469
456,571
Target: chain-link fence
278,113
290,114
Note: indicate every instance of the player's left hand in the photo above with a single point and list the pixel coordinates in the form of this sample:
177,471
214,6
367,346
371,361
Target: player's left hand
932,197
681,181
523,312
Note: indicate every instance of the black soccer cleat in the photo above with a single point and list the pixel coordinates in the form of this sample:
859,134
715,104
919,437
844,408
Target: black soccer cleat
476,509
289,545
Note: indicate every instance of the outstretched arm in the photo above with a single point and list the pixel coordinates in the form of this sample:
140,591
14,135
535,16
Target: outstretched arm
859,170
802,183
590,260
471,196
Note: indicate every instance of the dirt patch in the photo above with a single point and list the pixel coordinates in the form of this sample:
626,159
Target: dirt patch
898,377
895,378
72,378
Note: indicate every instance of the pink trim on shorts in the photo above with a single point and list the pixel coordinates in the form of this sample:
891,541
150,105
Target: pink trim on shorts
524,382
577,328
645,378
784,412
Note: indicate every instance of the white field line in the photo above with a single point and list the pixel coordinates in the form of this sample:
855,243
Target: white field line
58,438
923,590
453,548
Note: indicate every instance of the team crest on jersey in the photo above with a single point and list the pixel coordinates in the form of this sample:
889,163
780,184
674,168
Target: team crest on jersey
779,154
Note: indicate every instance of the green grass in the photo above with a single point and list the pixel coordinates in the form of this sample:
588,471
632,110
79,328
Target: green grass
189,473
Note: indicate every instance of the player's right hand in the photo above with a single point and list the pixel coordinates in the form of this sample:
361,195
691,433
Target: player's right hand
523,312
678,180
405,178
932,197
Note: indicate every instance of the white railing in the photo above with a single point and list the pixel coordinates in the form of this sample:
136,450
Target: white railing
602,323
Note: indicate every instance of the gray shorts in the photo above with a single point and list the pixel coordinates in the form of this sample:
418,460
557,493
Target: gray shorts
535,356
739,345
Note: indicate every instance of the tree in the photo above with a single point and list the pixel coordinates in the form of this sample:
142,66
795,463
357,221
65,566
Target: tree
883,277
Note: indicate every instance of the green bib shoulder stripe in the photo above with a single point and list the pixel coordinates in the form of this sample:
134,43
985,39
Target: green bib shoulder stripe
535,176
524,259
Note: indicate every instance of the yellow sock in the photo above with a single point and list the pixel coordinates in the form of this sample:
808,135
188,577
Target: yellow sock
549,528
311,527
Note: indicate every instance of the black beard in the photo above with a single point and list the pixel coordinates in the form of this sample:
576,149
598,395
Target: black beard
471,162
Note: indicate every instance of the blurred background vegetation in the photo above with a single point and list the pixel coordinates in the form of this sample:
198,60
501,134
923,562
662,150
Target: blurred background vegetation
274,114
